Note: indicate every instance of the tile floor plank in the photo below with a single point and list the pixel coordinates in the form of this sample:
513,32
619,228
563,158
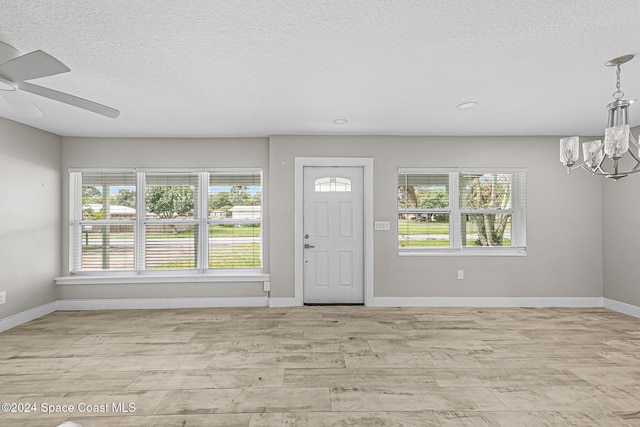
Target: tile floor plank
327,419
245,400
194,379
402,398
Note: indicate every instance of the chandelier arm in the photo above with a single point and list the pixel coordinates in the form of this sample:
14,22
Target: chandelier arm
636,168
597,171
574,167
601,147
633,140
637,159
598,167
591,157
601,172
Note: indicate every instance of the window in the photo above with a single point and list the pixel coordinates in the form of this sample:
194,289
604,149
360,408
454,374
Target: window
424,210
235,217
461,211
170,225
150,220
332,184
106,218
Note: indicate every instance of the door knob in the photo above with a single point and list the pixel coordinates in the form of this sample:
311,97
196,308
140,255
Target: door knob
307,246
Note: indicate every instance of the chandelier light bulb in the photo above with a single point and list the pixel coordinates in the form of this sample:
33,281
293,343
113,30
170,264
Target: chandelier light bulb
616,141
592,151
569,153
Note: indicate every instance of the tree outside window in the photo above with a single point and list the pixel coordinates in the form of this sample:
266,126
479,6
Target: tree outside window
490,193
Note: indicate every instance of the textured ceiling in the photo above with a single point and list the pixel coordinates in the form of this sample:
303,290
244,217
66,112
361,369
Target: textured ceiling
205,68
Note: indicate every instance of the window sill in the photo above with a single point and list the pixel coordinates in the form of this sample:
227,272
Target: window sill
135,279
515,252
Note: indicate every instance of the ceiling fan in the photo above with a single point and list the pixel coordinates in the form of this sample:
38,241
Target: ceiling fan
16,68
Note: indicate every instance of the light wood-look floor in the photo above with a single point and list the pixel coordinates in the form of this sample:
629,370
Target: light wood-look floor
324,366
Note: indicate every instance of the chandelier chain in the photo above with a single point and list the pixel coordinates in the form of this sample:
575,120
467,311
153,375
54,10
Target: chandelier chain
618,94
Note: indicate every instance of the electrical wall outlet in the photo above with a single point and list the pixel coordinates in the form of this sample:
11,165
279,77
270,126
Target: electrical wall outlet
267,286
460,274
3,297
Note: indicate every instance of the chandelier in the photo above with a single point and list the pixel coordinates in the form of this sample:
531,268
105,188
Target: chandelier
617,137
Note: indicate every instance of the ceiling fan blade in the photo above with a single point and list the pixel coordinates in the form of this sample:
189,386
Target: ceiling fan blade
7,53
32,66
69,99
21,104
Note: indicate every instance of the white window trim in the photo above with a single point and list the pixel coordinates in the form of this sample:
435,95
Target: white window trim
202,273
180,277
456,248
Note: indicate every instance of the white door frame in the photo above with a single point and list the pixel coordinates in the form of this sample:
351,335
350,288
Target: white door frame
366,163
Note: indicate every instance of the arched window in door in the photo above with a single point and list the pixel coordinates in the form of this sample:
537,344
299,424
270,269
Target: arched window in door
332,184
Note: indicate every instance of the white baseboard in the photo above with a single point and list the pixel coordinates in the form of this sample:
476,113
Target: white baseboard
622,307
160,303
284,302
27,316
487,302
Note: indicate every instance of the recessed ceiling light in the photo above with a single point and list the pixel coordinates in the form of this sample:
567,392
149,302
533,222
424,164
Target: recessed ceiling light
340,121
466,105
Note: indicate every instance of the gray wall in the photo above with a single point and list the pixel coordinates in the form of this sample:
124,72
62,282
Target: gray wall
31,223
564,218
621,236
170,153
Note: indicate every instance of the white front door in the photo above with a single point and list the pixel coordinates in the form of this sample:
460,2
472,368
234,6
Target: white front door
333,235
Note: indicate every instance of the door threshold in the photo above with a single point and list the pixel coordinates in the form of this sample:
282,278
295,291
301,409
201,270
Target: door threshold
334,304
